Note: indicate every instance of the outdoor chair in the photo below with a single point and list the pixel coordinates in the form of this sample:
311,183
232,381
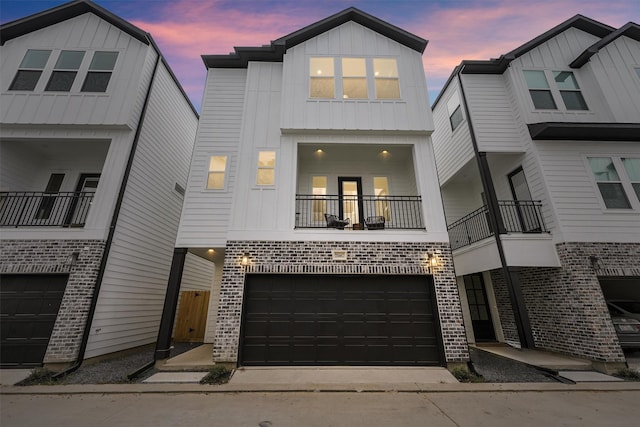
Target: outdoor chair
334,222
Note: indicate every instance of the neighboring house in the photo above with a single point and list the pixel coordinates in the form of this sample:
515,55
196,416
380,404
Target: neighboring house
95,142
538,157
327,123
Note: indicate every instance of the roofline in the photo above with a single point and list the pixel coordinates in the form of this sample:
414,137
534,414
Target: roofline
275,51
570,131
75,8
63,12
630,29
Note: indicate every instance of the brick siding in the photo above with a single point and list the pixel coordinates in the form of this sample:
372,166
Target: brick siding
50,256
316,257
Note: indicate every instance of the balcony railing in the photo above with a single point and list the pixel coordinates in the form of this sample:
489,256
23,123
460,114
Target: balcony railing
524,216
37,209
399,212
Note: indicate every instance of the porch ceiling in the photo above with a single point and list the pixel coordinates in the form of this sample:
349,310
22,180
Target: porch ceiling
362,152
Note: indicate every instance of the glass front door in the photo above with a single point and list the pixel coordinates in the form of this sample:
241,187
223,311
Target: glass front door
350,195
479,308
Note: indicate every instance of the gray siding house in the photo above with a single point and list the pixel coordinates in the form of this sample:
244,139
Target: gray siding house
96,136
538,156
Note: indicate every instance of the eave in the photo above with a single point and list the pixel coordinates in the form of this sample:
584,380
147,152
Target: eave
564,131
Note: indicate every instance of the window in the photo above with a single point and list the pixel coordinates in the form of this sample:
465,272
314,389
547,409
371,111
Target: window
65,70
455,112
632,166
99,72
638,72
569,90
381,191
30,69
609,183
319,191
321,74
266,168
539,90
217,170
385,71
354,78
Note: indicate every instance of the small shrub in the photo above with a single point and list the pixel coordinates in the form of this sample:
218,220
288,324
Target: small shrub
466,376
217,375
628,374
40,376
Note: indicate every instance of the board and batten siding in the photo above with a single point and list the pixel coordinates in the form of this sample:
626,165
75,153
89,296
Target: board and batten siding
350,39
453,149
89,33
576,201
133,288
613,67
492,113
206,213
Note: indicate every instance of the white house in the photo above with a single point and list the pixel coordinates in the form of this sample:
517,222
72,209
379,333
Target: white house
538,157
313,191
96,137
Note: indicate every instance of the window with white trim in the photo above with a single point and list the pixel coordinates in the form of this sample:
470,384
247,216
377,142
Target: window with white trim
65,71
217,173
30,70
385,71
266,168
381,191
455,111
319,192
632,167
539,90
569,90
638,72
321,78
354,78
99,72
565,87
609,182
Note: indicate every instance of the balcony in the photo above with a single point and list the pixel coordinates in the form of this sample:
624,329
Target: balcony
40,209
523,216
399,212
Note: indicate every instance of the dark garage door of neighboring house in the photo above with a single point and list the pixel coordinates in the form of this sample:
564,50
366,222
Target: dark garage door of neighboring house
339,320
29,307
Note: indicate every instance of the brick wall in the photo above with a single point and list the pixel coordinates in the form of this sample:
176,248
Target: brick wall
316,257
566,306
50,256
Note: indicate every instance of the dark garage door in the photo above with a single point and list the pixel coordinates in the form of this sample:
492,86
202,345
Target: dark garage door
339,320
29,307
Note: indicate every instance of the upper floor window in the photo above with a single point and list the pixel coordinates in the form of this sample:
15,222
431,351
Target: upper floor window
385,71
455,112
266,168
638,72
30,69
321,74
632,166
354,78
565,87
99,72
217,171
539,90
65,70
569,90
609,183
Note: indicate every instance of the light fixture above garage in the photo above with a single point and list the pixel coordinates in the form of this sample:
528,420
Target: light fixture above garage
245,259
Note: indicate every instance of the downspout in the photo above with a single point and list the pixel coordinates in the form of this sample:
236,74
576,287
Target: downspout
515,293
112,229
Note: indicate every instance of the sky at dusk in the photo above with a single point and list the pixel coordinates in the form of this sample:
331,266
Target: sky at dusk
456,29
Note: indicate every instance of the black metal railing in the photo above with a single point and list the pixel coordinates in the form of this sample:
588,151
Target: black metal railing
523,216
399,212
38,209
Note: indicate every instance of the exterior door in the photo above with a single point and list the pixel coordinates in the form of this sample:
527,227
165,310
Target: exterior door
192,316
82,200
350,195
30,304
479,308
311,320
525,211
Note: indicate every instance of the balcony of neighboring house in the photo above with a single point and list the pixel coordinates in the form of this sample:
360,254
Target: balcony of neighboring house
357,187
50,184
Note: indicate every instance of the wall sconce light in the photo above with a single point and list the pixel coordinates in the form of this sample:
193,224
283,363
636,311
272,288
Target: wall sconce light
432,260
595,262
72,259
245,259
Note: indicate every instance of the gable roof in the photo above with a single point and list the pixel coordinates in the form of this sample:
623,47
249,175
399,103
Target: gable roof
275,51
63,12
630,29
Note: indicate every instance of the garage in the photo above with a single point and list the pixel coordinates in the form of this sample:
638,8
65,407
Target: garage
299,320
29,307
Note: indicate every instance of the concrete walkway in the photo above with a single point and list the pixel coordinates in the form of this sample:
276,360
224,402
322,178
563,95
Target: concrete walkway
540,358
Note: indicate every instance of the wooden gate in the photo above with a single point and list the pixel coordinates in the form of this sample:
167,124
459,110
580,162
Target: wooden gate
192,316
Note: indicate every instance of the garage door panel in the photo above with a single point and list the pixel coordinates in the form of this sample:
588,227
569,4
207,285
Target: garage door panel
334,320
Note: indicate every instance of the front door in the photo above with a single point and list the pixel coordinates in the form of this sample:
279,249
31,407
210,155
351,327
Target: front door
525,209
350,195
479,308
82,199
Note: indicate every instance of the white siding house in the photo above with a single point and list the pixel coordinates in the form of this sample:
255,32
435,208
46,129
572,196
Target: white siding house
546,151
313,185
96,138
